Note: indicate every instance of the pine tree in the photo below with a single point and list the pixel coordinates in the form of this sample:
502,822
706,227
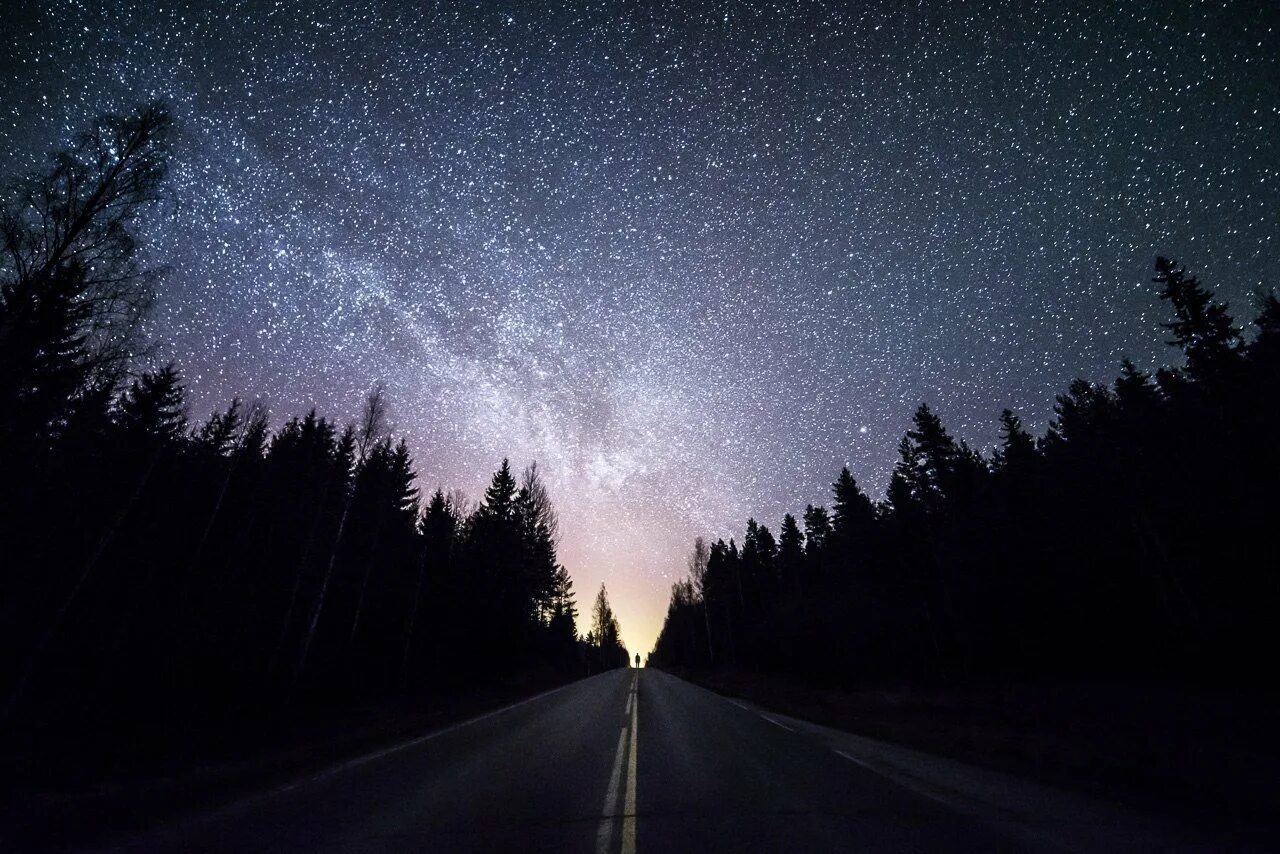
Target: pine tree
67,238
385,481
1265,349
1018,448
316,470
43,358
151,414
564,604
937,465
899,495
699,565
791,552
1084,414
497,556
1202,329
221,433
606,632
817,530
500,497
562,628
253,438
1268,321
438,529
536,519
853,513
152,408
1134,389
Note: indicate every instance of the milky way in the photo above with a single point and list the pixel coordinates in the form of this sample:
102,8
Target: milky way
691,257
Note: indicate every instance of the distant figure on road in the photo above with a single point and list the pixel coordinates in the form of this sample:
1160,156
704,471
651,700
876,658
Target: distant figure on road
637,659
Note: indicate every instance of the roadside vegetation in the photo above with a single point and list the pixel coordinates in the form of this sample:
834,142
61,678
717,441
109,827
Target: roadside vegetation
165,576
1133,540
1086,603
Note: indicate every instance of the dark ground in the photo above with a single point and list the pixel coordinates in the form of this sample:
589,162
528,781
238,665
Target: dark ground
641,760
101,786
1210,754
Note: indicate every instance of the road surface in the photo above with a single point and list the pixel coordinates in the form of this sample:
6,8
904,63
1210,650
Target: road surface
638,760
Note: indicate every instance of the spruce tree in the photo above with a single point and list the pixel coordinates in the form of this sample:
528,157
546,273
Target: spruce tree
500,497
1265,349
1018,448
852,511
69,246
221,433
1083,415
790,552
43,358
606,632
1134,389
817,530
152,408
937,466
1202,329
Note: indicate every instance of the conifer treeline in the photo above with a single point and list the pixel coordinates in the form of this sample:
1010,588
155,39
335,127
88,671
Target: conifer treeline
155,571
1134,540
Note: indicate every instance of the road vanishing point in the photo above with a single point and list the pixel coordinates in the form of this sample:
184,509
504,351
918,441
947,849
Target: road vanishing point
639,760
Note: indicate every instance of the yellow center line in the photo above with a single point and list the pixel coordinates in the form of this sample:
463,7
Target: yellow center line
604,834
629,823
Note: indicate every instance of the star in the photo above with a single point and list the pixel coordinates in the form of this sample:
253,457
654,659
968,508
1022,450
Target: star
671,255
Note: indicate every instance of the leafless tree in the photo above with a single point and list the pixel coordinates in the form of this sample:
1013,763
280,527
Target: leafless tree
66,237
369,433
80,213
698,562
373,421
543,513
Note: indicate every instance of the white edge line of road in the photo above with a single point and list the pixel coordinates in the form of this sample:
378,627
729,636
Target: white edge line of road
898,780
604,833
629,808
881,772
419,739
1008,814
776,723
251,798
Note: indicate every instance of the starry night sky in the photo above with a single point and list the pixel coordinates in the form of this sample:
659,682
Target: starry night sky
692,257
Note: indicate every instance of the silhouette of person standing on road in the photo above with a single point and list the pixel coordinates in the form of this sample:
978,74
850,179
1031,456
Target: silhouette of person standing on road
637,659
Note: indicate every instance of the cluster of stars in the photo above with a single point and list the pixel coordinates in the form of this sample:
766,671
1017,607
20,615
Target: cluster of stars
692,257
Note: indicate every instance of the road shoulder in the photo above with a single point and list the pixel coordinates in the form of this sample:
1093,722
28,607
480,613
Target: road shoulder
1024,805
111,812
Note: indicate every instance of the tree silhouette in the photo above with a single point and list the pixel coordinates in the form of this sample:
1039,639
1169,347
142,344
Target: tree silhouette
499,498
168,580
791,553
1018,448
1202,329
606,633
151,411
1098,551
852,511
69,231
43,360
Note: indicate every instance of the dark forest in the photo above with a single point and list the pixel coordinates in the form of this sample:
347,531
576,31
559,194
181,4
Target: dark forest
163,575
380,382
1132,541
180,588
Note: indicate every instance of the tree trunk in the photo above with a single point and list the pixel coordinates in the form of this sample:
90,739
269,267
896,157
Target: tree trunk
60,616
706,616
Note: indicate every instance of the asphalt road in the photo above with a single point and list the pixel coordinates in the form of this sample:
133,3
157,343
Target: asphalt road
638,760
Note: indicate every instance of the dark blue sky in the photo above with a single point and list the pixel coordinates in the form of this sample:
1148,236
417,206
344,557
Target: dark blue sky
691,257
